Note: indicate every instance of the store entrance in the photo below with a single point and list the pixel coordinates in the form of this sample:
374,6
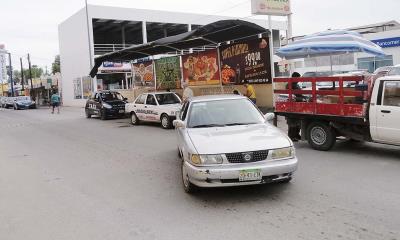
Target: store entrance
114,81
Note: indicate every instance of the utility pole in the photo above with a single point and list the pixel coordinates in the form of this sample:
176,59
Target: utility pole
22,75
11,75
30,74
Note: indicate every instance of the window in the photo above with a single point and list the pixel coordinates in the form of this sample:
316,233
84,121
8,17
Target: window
111,96
391,95
167,98
141,99
151,100
372,63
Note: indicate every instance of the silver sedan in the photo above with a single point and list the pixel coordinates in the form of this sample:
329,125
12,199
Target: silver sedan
226,141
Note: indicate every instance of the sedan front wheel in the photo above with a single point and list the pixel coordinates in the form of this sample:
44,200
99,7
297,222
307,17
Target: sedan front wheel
187,185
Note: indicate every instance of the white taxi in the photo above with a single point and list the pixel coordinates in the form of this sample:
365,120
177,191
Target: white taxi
154,107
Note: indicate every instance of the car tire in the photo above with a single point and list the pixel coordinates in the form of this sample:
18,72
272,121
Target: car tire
165,121
320,136
103,115
88,115
134,119
188,187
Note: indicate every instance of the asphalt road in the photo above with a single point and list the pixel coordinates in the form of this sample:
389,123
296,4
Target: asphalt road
67,177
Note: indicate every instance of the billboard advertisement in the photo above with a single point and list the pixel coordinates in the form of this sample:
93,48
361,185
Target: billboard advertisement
201,68
246,62
168,73
143,75
271,7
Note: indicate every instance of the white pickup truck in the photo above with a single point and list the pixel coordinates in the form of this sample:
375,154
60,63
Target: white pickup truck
366,112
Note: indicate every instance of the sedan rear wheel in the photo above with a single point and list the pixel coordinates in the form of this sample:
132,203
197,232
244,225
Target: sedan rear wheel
187,185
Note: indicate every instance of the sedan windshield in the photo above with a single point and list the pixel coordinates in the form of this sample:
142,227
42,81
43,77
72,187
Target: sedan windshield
221,113
110,96
167,98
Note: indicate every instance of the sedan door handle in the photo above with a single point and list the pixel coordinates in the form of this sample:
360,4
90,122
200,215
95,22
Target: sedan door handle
134,105
385,111
145,106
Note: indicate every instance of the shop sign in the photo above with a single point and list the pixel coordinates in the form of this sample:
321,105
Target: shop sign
271,7
168,73
201,68
246,62
388,42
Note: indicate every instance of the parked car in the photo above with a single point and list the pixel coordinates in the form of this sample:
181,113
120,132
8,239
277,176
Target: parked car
3,101
394,71
9,103
154,107
106,104
383,71
226,141
24,102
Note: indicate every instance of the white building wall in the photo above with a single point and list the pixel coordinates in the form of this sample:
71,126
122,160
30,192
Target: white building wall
74,45
394,51
74,54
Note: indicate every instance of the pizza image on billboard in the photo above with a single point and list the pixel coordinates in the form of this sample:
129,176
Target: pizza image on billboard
201,68
246,61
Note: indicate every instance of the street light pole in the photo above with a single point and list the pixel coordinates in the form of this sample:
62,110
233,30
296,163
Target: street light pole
30,73
88,34
11,75
22,75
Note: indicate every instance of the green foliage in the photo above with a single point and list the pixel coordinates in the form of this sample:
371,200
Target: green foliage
55,66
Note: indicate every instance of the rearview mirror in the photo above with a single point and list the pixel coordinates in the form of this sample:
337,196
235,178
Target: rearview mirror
269,116
179,124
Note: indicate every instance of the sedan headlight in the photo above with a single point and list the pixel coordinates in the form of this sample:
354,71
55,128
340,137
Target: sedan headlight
106,105
282,153
204,159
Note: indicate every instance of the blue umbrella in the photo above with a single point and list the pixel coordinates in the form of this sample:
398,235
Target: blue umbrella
329,43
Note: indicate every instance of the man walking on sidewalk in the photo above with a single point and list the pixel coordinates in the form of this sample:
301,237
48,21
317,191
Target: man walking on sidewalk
55,102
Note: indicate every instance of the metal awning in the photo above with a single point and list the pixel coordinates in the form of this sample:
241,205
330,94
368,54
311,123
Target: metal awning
208,35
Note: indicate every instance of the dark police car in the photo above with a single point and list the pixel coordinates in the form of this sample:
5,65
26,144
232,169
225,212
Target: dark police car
106,104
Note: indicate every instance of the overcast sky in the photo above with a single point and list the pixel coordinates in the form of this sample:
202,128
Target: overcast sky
31,26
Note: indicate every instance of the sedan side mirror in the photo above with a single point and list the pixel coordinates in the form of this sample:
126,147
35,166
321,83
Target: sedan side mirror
269,117
125,99
179,124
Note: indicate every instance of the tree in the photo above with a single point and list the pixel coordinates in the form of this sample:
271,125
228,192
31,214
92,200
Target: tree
55,66
36,72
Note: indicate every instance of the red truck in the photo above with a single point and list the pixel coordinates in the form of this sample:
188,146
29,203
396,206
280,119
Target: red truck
354,107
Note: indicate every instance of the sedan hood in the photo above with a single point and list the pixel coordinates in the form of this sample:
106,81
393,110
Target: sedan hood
237,139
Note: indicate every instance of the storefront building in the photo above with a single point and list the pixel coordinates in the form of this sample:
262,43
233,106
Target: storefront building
110,29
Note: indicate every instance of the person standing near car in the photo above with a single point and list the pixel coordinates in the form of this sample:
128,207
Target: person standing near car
250,92
294,125
187,92
55,102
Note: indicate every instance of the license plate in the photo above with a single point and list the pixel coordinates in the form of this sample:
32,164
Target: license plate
121,111
250,175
